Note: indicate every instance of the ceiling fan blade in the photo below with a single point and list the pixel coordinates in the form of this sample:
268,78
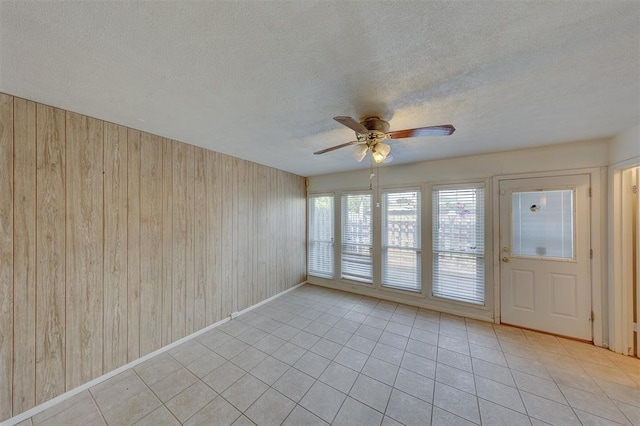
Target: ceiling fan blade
388,159
352,124
333,148
444,130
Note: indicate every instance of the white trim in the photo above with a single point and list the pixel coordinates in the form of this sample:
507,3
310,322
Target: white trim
597,183
383,235
615,268
422,298
450,307
308,229
596,230
265,301
637,262
625,164
408,298
485,185
620,258
618,308
50,403
495,236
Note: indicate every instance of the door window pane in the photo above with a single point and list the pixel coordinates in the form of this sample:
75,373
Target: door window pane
543,223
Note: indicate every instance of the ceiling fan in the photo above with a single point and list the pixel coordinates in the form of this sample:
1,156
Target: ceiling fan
371,133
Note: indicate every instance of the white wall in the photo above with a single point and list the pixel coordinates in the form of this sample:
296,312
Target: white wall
625,146
557,157
592,155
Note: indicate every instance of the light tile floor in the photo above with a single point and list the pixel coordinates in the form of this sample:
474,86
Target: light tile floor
316,356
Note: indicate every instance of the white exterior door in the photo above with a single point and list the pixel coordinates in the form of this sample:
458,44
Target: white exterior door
545,278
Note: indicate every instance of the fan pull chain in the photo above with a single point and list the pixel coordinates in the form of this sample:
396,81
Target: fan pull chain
371,175
377,185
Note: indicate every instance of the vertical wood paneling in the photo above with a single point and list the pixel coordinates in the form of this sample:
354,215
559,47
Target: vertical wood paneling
255,245
301,228
261,240
6,254
167,238
84,245
24,255
179,297
282,230
201,249
150,243
189,255
213,189
235,241
133,244
269,243
250,234
274,269
226,249
115,246
240,238
115,242
50,249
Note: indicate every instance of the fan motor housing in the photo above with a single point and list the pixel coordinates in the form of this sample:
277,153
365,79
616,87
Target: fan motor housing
375,124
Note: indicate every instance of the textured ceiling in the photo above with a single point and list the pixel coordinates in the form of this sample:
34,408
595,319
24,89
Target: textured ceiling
261,80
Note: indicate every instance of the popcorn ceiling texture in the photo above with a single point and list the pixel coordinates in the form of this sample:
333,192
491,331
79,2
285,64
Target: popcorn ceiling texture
262,80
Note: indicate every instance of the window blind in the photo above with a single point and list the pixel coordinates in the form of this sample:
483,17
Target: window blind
357,238
458,243
401,240
320,241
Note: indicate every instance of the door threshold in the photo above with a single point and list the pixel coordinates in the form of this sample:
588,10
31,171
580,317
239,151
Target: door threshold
548,333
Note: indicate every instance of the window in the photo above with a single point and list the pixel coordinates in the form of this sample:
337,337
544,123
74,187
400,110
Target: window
320,250
401,240
542,224
458,243
357,238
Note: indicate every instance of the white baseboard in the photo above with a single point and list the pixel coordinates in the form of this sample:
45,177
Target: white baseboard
257,305
50,403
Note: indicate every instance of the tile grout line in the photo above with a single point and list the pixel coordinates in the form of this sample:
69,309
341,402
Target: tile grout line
97,406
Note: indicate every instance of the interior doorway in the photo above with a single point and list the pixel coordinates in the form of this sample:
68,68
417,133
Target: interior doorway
624,258
631,254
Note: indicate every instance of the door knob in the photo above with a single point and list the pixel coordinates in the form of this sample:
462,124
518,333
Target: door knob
505,259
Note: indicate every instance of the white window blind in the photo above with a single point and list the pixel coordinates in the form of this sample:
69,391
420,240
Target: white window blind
320,242
357,238
458,243
401,240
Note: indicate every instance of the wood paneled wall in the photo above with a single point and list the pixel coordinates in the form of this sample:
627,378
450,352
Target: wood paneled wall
116,242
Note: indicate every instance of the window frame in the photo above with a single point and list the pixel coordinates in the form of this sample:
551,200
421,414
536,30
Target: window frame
383,236
339,235
423,298
310,196
487,249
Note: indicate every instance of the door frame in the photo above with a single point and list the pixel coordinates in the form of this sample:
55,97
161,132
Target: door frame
597,227
620,316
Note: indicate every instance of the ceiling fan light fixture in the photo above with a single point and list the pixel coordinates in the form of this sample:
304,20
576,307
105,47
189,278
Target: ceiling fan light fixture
359,152
372,131
384,148
380,152
378,157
